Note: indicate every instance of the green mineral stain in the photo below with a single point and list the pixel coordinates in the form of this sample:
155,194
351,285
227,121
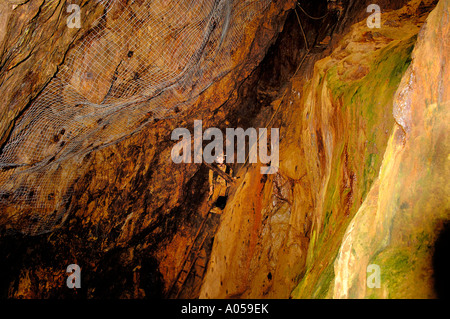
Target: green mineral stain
369,102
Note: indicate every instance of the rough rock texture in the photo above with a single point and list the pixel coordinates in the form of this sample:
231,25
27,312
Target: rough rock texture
141,62
34,39
133,213
406,209
285,231
363,153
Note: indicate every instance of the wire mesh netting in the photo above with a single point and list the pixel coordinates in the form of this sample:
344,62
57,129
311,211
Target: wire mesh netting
140,61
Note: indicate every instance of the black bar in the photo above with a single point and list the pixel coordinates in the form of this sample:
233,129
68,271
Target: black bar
247,308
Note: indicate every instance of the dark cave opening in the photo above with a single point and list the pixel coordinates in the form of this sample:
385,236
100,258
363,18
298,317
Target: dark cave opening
441,263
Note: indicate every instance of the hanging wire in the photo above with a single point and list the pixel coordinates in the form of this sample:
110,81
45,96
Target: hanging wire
309,16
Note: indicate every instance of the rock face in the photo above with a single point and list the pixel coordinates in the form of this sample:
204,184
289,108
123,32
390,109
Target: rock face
86,171
406,208
306,227
139,63
86,160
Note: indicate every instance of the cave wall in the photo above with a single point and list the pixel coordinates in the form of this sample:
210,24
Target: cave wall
407,208
132,213
34,40
280,235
